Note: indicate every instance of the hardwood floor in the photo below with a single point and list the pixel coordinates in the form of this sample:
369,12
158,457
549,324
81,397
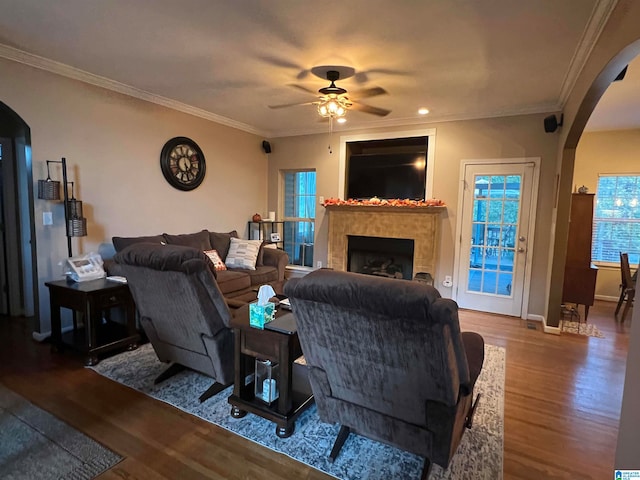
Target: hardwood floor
562,405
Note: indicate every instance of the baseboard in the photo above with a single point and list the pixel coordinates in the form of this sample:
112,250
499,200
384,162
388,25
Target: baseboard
296,271
552,330
606,298
545,328
42,336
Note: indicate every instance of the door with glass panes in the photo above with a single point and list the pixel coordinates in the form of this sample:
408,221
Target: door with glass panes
496,208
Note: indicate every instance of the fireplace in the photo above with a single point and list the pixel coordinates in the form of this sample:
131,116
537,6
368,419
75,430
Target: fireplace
379,256
419,224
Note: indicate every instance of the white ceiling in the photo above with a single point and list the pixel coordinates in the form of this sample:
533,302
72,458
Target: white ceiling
619,107
229,60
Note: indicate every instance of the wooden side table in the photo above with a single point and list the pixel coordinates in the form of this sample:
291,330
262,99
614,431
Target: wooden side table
91,298
279,343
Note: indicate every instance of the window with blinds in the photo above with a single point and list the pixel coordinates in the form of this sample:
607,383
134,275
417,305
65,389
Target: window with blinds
616,219
299,216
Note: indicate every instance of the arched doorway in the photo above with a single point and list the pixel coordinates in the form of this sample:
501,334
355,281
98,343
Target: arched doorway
629,433
565,184
18,289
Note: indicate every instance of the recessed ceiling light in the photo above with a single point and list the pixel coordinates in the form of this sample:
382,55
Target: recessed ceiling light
423,111
341,120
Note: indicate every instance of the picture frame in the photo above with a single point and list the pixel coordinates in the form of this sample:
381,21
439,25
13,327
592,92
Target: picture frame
275,237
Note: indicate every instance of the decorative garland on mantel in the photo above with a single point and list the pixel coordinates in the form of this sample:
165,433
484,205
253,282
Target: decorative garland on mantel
380,202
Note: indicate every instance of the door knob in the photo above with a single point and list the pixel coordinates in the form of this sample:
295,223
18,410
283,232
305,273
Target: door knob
521,250
521,238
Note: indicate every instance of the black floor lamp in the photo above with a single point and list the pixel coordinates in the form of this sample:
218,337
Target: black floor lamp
75,223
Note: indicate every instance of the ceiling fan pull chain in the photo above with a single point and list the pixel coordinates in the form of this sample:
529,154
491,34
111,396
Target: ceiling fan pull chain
330,133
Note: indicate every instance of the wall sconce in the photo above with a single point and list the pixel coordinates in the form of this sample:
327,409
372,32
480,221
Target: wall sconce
75,223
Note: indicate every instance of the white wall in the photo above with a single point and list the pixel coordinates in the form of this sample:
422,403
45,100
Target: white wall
507,137
600,153
112,144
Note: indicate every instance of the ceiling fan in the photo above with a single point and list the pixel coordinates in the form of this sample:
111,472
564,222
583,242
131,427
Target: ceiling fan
334,101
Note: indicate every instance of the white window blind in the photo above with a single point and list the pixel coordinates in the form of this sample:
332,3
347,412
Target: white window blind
299,216
616,219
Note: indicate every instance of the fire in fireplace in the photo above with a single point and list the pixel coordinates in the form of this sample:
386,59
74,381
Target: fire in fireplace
384,257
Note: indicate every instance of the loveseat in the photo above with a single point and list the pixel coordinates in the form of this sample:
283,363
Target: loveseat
236,284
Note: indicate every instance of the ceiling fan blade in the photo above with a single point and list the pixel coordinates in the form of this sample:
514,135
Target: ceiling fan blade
370,92
275,107
284,63
363,76
361,107
304,89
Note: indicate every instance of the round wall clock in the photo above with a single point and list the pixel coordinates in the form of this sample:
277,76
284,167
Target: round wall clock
182,163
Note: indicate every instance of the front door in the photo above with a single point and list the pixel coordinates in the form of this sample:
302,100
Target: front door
494,242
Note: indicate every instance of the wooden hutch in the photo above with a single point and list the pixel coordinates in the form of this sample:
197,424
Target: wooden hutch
579,273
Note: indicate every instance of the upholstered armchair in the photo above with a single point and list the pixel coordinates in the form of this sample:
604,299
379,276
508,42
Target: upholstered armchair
181,310
387,360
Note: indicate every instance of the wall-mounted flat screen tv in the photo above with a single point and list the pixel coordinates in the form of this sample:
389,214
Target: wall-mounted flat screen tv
387,175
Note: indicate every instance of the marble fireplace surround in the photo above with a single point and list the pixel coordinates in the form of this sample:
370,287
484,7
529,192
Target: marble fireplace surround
420,224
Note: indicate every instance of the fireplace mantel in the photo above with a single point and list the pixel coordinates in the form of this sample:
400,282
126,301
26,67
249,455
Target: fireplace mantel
418,223
387,208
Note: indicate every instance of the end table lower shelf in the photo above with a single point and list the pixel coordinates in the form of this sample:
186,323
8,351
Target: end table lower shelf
279,343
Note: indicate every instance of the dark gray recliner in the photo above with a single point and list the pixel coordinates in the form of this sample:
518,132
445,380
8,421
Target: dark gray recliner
181,310
387,360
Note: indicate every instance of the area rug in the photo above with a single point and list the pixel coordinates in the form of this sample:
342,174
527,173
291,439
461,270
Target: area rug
36,445
579,328
479,455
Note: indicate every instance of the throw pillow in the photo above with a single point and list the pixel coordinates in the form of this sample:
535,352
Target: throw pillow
215,259
243,253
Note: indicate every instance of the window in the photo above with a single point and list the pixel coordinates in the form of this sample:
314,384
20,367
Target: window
616,222
299,216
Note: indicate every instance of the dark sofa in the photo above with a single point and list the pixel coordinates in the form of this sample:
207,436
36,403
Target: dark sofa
236,284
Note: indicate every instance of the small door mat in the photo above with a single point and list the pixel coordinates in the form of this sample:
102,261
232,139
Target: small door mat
578,328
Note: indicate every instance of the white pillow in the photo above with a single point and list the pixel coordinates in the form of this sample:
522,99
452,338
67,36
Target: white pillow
243,253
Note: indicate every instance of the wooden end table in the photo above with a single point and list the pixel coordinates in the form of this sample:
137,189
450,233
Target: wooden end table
91,298
279,343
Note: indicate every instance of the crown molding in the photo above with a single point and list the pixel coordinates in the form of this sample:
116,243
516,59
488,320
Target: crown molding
429,119
36,61
599,17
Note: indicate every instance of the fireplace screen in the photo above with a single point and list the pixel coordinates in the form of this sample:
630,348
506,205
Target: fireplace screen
383,257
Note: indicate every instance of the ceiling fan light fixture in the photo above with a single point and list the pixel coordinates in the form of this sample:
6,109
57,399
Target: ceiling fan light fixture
333,106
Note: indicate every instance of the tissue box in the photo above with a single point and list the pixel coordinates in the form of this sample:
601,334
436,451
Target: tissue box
260,315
